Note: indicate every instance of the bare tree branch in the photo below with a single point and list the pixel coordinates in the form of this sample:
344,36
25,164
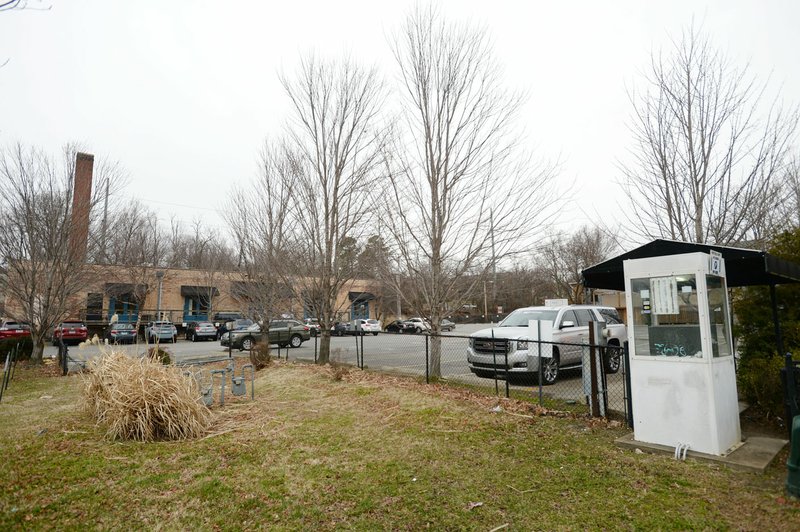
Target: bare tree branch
463,196
36,224
705,166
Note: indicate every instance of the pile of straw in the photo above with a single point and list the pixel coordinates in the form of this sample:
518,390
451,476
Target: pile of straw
143,400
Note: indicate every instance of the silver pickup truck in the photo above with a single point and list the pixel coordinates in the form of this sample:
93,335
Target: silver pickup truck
487,349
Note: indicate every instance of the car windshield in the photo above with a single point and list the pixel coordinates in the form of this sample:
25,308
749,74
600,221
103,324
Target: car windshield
520,318
254,328
72,324
204,324
124,327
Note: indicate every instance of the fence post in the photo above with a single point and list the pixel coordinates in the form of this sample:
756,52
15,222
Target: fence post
628,400
539,343
4,384
315,346
427,363
594,404
494,366
362,350
64,357
508,372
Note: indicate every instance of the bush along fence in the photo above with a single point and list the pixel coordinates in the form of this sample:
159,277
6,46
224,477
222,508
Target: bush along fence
579,377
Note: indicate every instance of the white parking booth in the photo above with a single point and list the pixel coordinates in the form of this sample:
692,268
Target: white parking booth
683,380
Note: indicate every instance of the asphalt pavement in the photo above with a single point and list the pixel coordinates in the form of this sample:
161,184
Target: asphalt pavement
398,353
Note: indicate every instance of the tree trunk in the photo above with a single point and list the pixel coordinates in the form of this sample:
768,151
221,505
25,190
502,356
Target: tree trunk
324,355
37,355
435,356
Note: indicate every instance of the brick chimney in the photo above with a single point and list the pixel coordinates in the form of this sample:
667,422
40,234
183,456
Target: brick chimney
81,202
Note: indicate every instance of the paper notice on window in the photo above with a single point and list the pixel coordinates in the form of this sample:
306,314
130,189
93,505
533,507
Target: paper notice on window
664,295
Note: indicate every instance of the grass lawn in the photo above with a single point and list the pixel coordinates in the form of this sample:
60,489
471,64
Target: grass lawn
366,452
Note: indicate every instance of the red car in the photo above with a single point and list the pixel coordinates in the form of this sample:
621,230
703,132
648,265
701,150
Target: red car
14,329
72,331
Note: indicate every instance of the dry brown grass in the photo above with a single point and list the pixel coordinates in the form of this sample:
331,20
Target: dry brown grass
143,400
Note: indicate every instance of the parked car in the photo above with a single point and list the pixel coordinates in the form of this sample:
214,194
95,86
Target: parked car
121,333
362,327
313,325
420,324
340,328
446,325
233,325
570,329
161,330
400,326
14,329
281,332
72,331
201,330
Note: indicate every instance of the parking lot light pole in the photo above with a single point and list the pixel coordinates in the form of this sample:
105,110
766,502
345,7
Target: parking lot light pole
160,277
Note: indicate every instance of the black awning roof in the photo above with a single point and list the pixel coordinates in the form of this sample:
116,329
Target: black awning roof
743,267
199,291
120,289
360,297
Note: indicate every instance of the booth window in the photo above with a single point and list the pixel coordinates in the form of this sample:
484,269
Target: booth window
718,316
666,321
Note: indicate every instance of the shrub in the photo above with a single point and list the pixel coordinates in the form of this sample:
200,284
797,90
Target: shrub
260,356
758,374
26,348
759,382
158,354
143,400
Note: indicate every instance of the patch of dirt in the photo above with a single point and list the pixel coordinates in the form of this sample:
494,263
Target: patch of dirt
757,421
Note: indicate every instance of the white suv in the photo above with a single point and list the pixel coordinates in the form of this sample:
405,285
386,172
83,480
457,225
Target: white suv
420,324
366,326
486,353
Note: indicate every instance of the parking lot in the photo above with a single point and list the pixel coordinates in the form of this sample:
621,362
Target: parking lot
401,353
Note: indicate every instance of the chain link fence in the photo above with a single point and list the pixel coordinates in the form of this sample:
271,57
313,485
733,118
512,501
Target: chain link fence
562,381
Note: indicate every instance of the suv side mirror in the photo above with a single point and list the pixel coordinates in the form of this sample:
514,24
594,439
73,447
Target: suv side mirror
568,323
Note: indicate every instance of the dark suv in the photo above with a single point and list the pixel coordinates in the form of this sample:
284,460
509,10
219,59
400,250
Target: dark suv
281,332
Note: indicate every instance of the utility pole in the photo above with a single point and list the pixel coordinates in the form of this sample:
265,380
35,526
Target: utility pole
494,260
485,306
105,225
160,277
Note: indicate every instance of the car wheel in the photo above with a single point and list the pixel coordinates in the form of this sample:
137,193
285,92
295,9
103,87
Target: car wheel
374,334
194,338
613,358
296,341
417,330
247,344
550,369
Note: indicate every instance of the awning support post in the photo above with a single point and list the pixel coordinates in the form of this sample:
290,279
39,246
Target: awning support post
776,320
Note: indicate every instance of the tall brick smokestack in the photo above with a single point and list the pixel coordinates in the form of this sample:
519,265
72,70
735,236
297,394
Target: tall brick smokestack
81,202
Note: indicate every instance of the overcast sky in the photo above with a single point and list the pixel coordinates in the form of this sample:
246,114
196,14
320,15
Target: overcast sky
183,94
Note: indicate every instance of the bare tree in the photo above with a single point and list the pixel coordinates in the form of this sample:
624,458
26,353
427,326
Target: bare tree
44,268
261,226
791,212
335,144
8,5
463,194
705,163
562,259
137,246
